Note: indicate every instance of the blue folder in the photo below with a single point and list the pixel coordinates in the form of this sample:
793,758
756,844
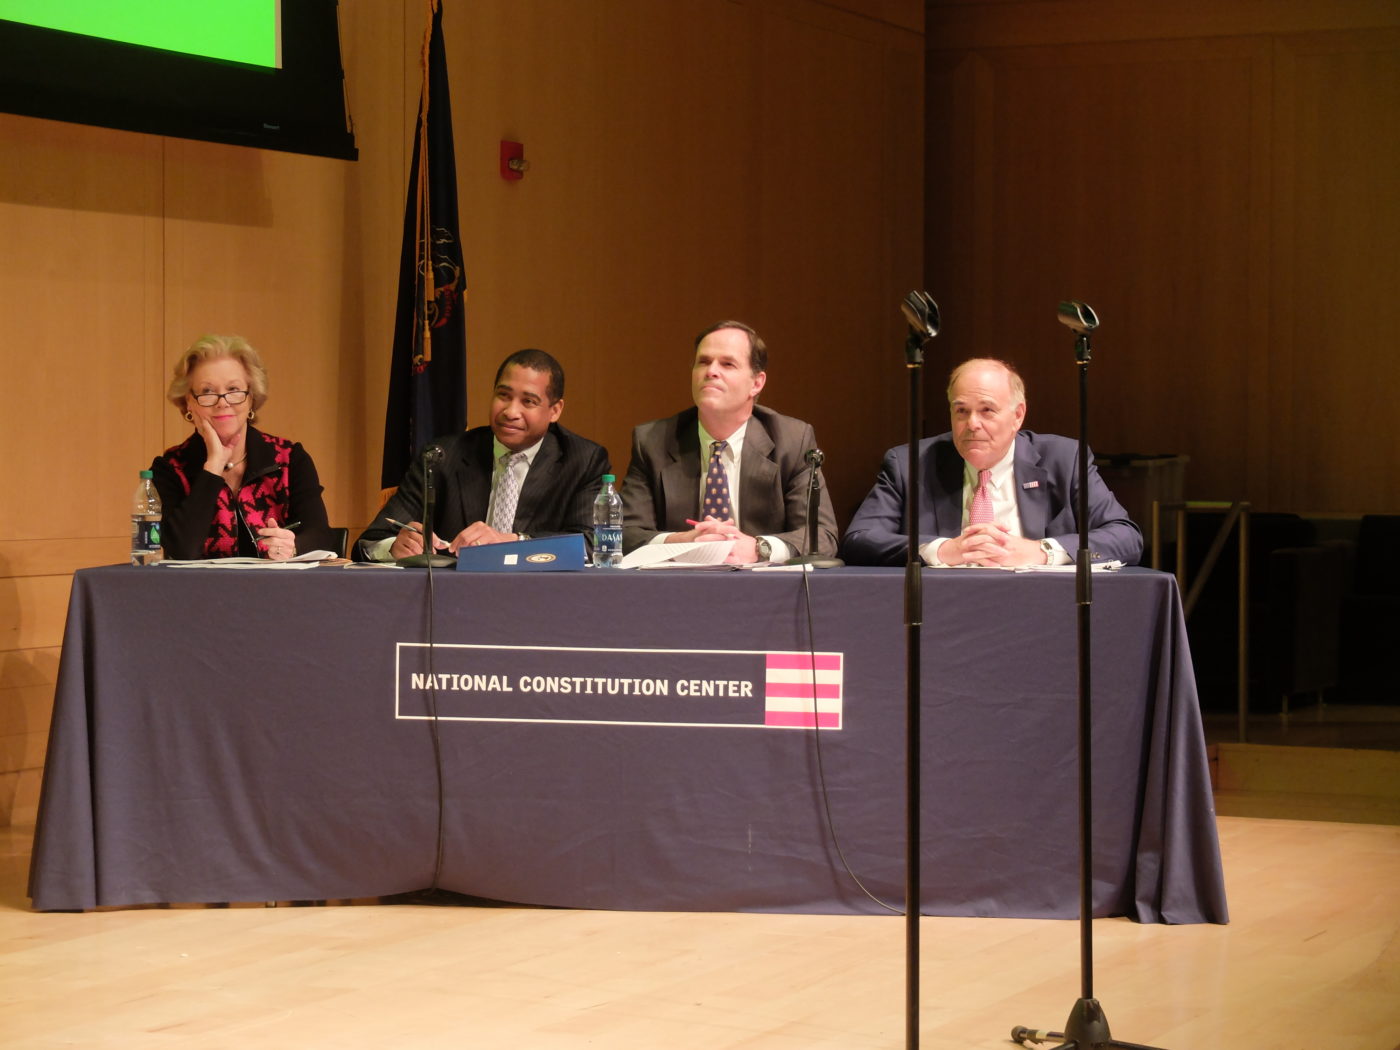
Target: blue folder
549,554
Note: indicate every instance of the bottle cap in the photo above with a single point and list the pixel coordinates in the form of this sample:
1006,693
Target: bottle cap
608,479
147,474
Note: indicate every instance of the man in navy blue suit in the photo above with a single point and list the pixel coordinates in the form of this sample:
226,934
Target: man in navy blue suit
990,493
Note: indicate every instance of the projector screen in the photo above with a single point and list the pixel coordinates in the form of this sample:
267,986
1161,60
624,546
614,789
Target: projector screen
263,73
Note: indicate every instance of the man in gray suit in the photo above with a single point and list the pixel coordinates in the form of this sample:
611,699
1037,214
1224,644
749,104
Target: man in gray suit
990,493
727,469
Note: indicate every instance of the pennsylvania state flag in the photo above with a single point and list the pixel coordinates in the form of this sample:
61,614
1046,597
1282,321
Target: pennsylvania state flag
427,379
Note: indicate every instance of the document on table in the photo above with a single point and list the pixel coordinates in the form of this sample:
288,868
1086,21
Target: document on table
309,560
679,555
1097,566
1094,566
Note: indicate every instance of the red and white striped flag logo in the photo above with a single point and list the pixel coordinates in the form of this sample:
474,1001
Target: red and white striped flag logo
798,694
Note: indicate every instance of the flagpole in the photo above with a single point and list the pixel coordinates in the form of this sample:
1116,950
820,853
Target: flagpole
427,376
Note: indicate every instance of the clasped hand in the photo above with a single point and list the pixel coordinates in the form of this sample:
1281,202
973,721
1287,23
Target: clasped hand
714,530
991,545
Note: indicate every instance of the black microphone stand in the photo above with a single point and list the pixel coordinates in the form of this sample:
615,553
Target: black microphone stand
432,456
1087,1027
922,314
815,458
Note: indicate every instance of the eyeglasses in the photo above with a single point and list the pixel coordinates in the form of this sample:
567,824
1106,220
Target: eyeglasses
233,397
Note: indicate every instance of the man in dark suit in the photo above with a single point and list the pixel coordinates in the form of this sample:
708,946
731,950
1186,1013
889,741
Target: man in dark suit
990,493
523,475
727,469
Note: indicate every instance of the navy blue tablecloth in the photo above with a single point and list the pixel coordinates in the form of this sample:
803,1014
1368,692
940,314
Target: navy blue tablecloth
611,739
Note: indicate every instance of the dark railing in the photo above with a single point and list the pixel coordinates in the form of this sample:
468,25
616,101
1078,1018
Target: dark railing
1236,512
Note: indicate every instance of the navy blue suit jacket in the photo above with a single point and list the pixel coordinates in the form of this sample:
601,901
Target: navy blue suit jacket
1047,492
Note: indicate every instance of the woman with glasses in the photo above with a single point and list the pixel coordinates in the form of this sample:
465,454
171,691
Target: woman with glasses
231,490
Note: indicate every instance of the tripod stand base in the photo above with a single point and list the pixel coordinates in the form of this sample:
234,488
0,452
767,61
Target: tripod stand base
422,561
1086,1029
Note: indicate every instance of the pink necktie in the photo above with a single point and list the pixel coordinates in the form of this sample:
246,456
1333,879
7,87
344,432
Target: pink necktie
982,500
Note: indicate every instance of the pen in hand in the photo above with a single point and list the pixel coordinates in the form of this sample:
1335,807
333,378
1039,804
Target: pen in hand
266,544
439,544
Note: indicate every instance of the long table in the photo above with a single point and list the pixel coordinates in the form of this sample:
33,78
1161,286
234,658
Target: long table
620,739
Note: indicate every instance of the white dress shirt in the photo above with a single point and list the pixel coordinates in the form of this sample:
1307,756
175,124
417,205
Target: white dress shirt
379,551
1001,486
729,460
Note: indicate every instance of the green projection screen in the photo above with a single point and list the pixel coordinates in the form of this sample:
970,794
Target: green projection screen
263,73
234,30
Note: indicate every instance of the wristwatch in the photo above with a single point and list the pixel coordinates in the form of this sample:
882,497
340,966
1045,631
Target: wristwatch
764,549
1050,552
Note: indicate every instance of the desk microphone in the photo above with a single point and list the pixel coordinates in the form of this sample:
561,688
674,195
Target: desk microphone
433,456
815,458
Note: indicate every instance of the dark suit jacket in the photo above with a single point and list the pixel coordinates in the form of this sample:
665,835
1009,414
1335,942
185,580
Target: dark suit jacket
557,496
663,481
1047,493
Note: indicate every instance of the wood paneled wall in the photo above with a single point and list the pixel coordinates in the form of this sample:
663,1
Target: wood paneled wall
690,160
1218,180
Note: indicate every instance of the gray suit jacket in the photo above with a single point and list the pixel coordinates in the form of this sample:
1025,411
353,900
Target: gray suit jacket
1047,494
663,481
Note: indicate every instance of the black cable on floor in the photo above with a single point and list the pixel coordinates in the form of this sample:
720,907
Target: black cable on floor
821,768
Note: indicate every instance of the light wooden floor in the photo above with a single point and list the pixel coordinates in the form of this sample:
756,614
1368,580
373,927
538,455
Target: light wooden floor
1311,961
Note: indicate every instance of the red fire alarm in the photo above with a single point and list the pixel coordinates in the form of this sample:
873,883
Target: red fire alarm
513,162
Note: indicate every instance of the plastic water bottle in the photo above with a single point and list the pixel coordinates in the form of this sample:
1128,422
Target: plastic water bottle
145,523
607,526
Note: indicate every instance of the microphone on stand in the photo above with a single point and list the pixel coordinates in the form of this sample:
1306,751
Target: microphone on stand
1087,1026
1078,316
921,312
433,456
815,458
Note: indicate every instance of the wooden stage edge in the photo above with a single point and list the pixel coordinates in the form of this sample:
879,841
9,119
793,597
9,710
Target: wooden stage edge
1311,959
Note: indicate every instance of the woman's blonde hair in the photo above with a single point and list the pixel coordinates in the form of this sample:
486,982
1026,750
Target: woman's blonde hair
210,348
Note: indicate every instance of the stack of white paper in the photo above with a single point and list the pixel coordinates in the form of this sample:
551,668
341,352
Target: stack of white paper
678,555
309,560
